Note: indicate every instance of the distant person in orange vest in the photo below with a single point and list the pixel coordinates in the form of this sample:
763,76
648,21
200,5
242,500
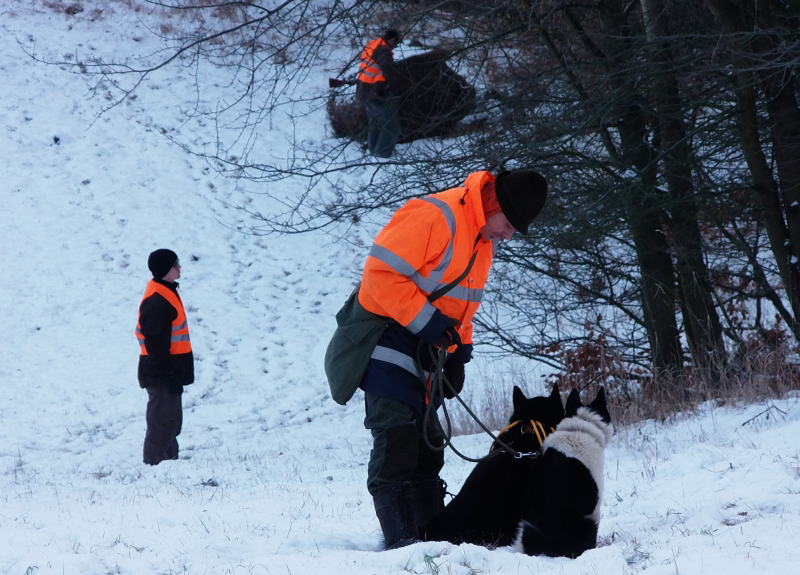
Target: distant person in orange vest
427,246
166,363
374,88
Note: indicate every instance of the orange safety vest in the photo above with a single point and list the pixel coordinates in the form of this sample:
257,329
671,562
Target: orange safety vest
179,342
427,244
370,72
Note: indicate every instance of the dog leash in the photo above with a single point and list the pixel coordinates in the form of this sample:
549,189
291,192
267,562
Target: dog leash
441,379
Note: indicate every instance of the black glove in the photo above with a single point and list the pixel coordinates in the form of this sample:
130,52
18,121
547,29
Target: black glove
454,373
463,353
449,338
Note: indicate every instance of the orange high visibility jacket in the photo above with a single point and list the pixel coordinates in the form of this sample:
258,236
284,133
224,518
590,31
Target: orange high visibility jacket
370,72
427,244
179,342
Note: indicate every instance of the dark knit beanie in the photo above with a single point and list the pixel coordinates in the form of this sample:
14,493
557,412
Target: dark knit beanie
161,261
522,194
391,34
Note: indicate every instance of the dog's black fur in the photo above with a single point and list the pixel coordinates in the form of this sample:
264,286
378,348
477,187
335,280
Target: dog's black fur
488,509
565,483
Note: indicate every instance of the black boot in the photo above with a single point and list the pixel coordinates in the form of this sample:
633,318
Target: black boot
428,501
395,512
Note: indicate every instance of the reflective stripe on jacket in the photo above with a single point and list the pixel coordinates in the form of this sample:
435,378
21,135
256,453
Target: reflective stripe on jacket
179,340
427,244
370,72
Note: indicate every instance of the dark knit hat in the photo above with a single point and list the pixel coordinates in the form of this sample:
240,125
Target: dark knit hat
161,261
391,34
522,194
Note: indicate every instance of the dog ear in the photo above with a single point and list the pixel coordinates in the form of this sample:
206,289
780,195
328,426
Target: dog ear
555,403
518,397
599,406
573,403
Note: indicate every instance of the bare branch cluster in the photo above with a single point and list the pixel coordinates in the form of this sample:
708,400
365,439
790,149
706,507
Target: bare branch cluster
668,132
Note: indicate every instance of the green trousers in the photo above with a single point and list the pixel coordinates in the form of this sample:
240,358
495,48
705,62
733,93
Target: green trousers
399,452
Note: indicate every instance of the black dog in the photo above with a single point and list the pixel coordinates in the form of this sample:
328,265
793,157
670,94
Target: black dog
488,509
565,483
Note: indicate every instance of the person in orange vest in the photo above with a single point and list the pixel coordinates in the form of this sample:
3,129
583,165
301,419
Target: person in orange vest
428,244
166,363
376,78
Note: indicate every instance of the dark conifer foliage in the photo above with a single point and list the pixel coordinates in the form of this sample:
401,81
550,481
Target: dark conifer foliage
669,132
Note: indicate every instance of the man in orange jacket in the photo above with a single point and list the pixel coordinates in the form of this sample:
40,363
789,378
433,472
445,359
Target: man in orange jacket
374,89
428,244
166,362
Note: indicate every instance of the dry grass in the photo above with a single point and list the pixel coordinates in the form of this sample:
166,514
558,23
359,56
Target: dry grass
765,373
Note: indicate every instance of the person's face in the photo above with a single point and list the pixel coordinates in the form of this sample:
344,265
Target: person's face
497,227
174,272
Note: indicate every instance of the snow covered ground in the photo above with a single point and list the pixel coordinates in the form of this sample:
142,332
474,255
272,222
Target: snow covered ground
271,475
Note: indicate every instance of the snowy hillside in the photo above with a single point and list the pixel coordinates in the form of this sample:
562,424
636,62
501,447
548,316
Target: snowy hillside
272,473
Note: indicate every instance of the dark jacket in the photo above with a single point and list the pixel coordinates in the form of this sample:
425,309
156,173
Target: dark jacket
385,60
159,367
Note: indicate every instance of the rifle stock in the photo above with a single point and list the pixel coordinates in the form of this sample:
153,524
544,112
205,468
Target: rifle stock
336,83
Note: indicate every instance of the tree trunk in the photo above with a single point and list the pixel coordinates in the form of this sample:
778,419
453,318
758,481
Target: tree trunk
652,247
702,325
642,212
658,294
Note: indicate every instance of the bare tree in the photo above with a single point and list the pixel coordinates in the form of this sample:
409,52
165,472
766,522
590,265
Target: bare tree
764,46
626,107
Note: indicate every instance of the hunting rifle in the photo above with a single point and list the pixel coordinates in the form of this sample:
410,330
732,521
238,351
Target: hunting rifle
337,83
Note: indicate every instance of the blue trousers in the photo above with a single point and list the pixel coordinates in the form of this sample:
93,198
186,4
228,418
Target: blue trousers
383,126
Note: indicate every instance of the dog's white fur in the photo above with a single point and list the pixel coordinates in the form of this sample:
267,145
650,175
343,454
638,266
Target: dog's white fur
584,437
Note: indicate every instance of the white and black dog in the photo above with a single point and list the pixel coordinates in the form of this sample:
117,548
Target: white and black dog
565,485
488,509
